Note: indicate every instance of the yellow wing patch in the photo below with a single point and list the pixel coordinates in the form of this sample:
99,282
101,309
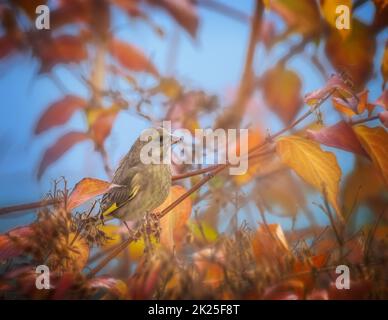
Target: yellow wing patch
114,206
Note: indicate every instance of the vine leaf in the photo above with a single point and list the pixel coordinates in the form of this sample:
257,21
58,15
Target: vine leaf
86,189
131,57
63,144
287,104
375,142
59,112
339,136
317,167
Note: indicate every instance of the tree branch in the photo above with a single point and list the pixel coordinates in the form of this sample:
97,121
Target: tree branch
233,115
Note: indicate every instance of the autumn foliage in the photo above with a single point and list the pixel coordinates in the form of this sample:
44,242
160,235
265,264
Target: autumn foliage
214,236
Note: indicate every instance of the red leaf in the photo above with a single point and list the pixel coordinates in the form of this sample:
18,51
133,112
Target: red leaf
7,46
383,116
62,49
115,286
339,136
318,294
335,82
358,290
354,105
68,12
383,100
130,7
63,286
102,123
131,57
63,144
286,290
87,189
59,112
183,11
12,243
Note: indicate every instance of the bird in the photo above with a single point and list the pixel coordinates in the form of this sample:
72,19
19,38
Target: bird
141,187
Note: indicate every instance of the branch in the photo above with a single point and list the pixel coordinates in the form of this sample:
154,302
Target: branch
29,206
233,115
354,122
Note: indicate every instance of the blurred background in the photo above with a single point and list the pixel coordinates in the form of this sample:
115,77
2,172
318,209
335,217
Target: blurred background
202,45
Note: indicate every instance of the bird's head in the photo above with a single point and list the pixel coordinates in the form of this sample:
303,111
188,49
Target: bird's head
156,142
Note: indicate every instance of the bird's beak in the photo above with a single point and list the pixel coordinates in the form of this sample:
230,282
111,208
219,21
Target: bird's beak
175,139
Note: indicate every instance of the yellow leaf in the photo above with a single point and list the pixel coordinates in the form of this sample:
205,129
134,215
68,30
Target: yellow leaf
343,107
362,184
317,167
375,142
202,231
136,248
112,231
328,9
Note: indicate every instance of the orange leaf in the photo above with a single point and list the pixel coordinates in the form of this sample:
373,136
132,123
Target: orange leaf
362,184
7,46
349,53
116,287
63,144
339,136
358,290
130,7
328,9
282,92
69,12
254,138
62,49
286,290
86,189
335,82
301,16
383,100
383,116
101,122
173,223
208,263
269,241
375,142
59,112
352,106
29,6
131,57
13,242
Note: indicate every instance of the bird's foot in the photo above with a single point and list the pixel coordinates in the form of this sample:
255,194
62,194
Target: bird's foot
133,234
152,224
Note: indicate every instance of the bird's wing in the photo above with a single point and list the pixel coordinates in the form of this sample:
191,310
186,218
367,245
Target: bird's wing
120,196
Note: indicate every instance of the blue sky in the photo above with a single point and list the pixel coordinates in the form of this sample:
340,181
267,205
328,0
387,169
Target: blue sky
212,61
